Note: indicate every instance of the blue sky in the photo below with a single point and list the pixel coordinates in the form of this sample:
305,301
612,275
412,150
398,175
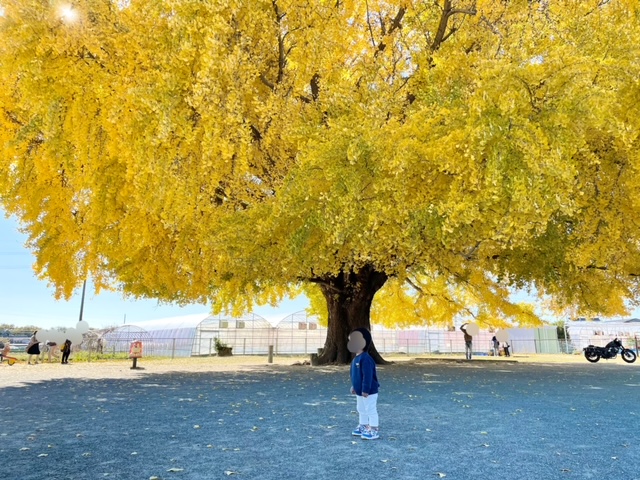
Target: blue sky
25,300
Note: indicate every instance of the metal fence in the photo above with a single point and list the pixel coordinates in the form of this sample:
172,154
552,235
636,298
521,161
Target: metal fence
293,341
300,338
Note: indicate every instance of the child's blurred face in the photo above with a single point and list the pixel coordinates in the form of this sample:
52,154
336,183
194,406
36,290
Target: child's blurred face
356,342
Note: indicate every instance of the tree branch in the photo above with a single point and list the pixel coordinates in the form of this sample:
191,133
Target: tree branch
265,81
12,117
282,60
373,41
448,12
395,25
282,53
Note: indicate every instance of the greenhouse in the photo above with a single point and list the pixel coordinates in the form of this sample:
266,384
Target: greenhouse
596,332
246,335
118,339
192,335
300,334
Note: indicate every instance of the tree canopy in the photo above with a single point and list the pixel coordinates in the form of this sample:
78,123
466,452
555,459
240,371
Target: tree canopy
230,151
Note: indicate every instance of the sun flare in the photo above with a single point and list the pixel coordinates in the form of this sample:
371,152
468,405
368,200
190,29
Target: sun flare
68,14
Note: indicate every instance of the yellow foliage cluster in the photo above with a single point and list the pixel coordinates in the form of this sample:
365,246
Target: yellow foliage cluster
229,151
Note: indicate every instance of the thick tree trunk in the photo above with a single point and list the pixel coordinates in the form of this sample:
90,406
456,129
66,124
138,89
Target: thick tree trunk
349,296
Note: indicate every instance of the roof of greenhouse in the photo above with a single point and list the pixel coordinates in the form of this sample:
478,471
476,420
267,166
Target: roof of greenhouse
301,316
192,322
173,323
256,321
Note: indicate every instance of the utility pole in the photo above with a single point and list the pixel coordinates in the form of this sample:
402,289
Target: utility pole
84,287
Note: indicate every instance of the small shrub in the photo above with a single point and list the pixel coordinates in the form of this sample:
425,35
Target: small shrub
222,349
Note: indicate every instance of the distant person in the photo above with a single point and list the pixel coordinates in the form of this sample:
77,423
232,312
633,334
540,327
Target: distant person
66,351
506,350
364,385
51,350
468,341
44,350
33,348
496,346
5,349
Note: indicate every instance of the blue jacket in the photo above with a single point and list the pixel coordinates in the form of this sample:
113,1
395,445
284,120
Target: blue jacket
363,374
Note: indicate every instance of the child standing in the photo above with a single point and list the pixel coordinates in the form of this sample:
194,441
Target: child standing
66,351
364,384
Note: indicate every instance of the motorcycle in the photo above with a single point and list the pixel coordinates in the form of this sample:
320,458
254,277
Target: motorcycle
609,351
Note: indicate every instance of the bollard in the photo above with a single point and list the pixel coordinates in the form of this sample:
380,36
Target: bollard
270,360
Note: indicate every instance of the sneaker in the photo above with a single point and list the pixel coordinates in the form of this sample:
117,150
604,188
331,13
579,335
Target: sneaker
371,434
359,431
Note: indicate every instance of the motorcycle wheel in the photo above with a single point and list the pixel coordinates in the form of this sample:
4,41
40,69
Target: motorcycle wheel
591,356
628,356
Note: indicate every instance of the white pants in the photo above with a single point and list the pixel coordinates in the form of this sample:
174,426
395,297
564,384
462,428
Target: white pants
368,409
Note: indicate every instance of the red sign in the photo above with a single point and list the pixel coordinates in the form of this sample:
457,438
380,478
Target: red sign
135,350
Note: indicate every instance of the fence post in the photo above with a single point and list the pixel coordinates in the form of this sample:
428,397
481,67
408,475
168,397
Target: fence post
173,348
270,360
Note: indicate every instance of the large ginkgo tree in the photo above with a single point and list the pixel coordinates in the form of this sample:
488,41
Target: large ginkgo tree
229,151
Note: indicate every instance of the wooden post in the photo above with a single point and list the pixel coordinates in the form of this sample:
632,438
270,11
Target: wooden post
270,360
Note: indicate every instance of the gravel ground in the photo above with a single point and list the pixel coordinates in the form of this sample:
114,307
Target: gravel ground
207,420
